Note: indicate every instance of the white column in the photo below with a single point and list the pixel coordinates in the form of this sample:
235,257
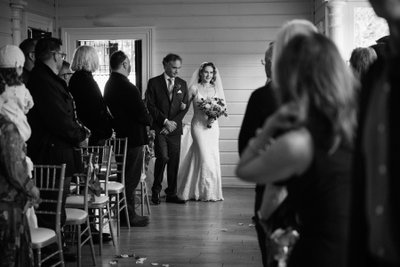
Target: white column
335,21
17,6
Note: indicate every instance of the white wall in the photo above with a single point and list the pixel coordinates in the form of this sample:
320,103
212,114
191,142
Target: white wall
34,13
5,23
233,34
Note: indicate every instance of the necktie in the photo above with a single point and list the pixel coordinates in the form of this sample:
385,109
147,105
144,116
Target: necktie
170,87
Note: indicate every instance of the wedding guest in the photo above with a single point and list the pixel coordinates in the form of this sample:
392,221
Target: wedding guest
17,190
312,150
56,132
65,72
28,48
199,175
381,46
361,59
375,236
131,119
261,105
165,96
90,106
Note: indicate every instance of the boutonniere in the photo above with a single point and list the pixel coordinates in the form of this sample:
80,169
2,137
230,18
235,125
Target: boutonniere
177,86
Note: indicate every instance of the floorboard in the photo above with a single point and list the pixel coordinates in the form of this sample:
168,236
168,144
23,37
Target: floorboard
196,234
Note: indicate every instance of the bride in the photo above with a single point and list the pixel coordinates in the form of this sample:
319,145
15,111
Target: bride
199,176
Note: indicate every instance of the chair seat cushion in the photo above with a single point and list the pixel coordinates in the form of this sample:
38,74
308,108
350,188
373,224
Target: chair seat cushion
115,187
41,236
75,216
77,201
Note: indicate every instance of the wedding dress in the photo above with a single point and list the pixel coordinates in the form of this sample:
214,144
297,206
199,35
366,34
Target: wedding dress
199,175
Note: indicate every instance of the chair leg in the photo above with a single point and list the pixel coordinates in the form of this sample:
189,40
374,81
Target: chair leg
100,230
147,198
118,216
109,224
142,198
39,257
60,249
78,246
126,209
91,242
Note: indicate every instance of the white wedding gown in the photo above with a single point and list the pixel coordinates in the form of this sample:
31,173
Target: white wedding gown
199,175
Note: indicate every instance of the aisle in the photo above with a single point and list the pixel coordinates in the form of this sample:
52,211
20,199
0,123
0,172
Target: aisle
195,234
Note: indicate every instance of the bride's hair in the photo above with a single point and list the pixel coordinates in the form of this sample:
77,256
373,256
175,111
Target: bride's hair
203,66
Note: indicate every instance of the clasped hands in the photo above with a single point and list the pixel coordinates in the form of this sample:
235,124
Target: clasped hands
169,126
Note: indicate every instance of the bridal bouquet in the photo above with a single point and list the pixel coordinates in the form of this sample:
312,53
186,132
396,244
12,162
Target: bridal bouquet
283,241
213,108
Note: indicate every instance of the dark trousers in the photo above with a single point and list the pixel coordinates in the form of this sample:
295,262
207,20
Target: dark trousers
133,170
167,150
261,235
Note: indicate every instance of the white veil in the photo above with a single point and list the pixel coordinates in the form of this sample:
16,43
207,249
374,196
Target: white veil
218,82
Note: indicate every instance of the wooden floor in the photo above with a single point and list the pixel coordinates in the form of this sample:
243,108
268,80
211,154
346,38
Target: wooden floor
195,234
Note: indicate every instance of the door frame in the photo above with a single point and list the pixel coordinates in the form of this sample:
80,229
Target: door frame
71,35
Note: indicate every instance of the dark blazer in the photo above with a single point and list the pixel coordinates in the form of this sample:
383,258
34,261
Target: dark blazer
358,248
161,107
262,103
90,106
55,130
128,109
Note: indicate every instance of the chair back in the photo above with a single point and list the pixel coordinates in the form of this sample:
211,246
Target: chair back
120,148
49,179
84,179
102,161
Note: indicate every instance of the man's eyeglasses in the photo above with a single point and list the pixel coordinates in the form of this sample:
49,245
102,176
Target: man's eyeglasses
63,55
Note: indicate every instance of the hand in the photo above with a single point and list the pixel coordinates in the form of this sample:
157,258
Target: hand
170,125
183,106
164,131
36,196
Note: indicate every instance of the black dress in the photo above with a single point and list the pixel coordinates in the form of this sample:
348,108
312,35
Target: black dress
321,198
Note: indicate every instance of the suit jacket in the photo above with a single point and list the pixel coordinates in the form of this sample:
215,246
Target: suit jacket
262,103
130,116
358,248
90,106
55,129
161,107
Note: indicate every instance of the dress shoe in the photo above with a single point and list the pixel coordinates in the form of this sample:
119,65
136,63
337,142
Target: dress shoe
155,199
174,199
139,221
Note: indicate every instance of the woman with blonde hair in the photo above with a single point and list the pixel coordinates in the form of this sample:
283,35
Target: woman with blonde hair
312,150
90,106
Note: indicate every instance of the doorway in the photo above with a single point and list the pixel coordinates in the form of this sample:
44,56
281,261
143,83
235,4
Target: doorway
136,42
105,48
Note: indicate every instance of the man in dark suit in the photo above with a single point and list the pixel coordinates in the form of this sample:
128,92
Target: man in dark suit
375,210
56,132
130,120
167,101
262,103
28,47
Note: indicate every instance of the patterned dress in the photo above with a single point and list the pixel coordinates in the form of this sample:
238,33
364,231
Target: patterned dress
15,185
